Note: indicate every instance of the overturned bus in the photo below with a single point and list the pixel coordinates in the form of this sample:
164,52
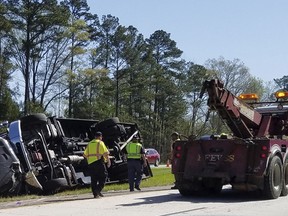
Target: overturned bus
40,154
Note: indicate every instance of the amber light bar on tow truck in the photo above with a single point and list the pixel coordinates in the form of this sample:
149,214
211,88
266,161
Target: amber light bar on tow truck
281,95
251,96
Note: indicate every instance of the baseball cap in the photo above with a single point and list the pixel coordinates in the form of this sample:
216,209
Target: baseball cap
98,133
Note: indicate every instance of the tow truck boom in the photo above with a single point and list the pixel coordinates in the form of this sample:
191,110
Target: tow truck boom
239,116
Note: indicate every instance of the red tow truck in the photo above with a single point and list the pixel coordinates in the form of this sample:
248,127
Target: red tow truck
255,158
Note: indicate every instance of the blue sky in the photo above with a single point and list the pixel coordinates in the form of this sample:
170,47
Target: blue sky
254,31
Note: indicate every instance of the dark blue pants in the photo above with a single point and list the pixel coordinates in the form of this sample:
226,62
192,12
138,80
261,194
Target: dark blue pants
98,173
135,171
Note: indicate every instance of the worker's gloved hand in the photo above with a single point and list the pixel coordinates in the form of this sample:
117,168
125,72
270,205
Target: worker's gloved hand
108,164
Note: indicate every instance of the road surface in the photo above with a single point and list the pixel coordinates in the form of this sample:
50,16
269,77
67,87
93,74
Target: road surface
150,202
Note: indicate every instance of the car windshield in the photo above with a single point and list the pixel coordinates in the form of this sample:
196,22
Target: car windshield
149,151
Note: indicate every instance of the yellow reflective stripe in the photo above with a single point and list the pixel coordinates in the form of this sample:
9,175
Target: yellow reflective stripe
97,155
98,146
133,154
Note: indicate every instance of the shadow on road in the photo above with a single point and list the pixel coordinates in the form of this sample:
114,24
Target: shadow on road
226,196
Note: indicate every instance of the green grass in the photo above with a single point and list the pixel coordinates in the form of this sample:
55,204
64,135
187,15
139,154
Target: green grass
161,177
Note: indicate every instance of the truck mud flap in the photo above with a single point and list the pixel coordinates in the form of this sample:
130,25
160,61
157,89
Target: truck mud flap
147,170
31,180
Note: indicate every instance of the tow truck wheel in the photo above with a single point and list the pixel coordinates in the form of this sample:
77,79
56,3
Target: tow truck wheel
186,192
273,182
285,178
217,187
212,185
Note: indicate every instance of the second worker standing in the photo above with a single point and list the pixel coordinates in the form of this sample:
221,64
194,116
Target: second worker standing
136,160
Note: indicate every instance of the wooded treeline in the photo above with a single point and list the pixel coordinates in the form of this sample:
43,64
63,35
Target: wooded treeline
70,62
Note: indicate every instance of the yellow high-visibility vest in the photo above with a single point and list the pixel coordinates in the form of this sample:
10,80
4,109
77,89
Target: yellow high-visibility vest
95,150
133,150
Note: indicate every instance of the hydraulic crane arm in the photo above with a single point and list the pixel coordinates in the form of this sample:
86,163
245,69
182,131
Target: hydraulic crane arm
240,117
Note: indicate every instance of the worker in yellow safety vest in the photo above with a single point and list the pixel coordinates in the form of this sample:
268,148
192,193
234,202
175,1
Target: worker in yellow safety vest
136,160
97,156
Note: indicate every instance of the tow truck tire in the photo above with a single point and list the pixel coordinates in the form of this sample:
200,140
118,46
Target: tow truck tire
212,186
217,187
285,178
188,188
273,181
186,192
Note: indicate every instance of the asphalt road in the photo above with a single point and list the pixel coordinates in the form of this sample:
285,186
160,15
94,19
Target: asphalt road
151,202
